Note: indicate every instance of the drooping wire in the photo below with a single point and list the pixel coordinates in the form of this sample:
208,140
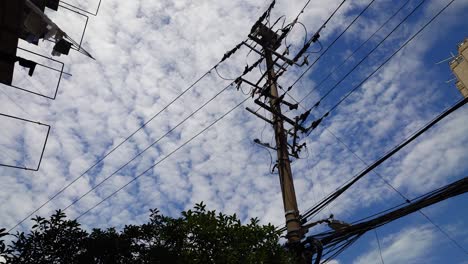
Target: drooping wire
222,77
163,159
318,51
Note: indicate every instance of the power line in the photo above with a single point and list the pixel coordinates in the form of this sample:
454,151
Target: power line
436,119
367,165
368,54
315,37
160,138
163,159
13,101
384,63
407,200
453,189
354,52
333,42
346,236
396,52
445,233
346,186
149,147
378,244
326,50
227,55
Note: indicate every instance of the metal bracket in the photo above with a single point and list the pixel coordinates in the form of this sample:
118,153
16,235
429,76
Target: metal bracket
259,116
287,119
266,145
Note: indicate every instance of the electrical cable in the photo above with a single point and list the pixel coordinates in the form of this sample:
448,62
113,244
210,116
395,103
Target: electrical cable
341,190
163,159
148,147
318,51
122,142
159,139
396,52
291,26
354,52
445,233
453,189
367,165
220,76
333,42
368,54
378,244
406,199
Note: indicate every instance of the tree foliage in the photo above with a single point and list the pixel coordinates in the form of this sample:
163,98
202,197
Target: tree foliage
198,236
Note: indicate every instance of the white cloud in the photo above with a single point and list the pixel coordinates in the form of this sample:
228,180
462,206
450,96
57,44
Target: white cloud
147,53
411,245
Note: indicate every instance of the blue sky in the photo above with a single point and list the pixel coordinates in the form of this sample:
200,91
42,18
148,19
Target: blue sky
147,52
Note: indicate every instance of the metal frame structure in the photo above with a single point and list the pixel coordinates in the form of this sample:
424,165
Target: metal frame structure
82,10
43,147
61,71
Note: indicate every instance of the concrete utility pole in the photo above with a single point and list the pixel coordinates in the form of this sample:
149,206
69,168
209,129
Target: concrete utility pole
270,41
293,224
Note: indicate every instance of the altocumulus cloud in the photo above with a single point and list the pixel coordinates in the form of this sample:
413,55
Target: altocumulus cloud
148,52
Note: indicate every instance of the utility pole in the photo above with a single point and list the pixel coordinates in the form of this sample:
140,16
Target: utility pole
266,89
293,225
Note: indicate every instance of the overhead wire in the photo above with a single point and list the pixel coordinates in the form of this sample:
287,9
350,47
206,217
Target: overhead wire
459,187
13,101
378,244
248,69
226,56
353,53
368,54
404,197
413,38
393,55
313,211
163,159
162,137
384,63
408,41
291,25
333,42
148,147
327,49
122,142
389,154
